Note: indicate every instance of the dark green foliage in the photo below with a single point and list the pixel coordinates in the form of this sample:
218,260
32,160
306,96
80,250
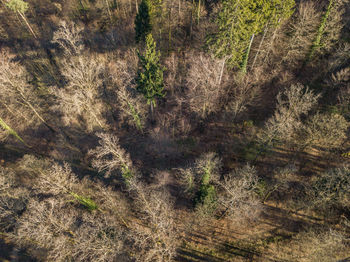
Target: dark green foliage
206,195
143,24
150,74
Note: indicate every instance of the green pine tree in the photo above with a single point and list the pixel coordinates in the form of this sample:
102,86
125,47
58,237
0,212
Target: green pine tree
150,74
238,22
143,24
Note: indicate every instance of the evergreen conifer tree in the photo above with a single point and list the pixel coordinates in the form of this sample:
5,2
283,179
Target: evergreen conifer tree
150,74
238,22
143,24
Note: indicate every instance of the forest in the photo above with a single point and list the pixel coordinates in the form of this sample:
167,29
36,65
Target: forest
175,130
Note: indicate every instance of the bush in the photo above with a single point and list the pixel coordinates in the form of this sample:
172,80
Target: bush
332,189
320,130
239,198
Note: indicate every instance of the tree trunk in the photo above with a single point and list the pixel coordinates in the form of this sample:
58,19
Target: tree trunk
109,10
198,11
37,114
259,48
28,25
151,110
245,61
271,42
169,45
222,70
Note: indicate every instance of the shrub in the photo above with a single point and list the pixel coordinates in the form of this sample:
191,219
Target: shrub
110,157
320,131
332,189
292,104
238,197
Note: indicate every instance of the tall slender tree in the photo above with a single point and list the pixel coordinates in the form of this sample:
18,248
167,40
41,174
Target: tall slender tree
20,7
317,41
150,74
239,21
280,10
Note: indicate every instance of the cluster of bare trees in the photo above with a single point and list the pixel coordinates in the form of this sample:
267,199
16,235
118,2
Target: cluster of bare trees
81,98
287,124
91,197
156,235
68,218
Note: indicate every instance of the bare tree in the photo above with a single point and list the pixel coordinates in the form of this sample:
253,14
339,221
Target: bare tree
320,131
340,57
204,83
245,93
331,189
199,181
81,97
238,198
110,157
56,180
12,199
157,238
133,110
207,165
340,81
122,71
292,103
69,37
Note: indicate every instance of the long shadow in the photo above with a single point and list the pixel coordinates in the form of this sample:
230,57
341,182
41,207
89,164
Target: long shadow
192,255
